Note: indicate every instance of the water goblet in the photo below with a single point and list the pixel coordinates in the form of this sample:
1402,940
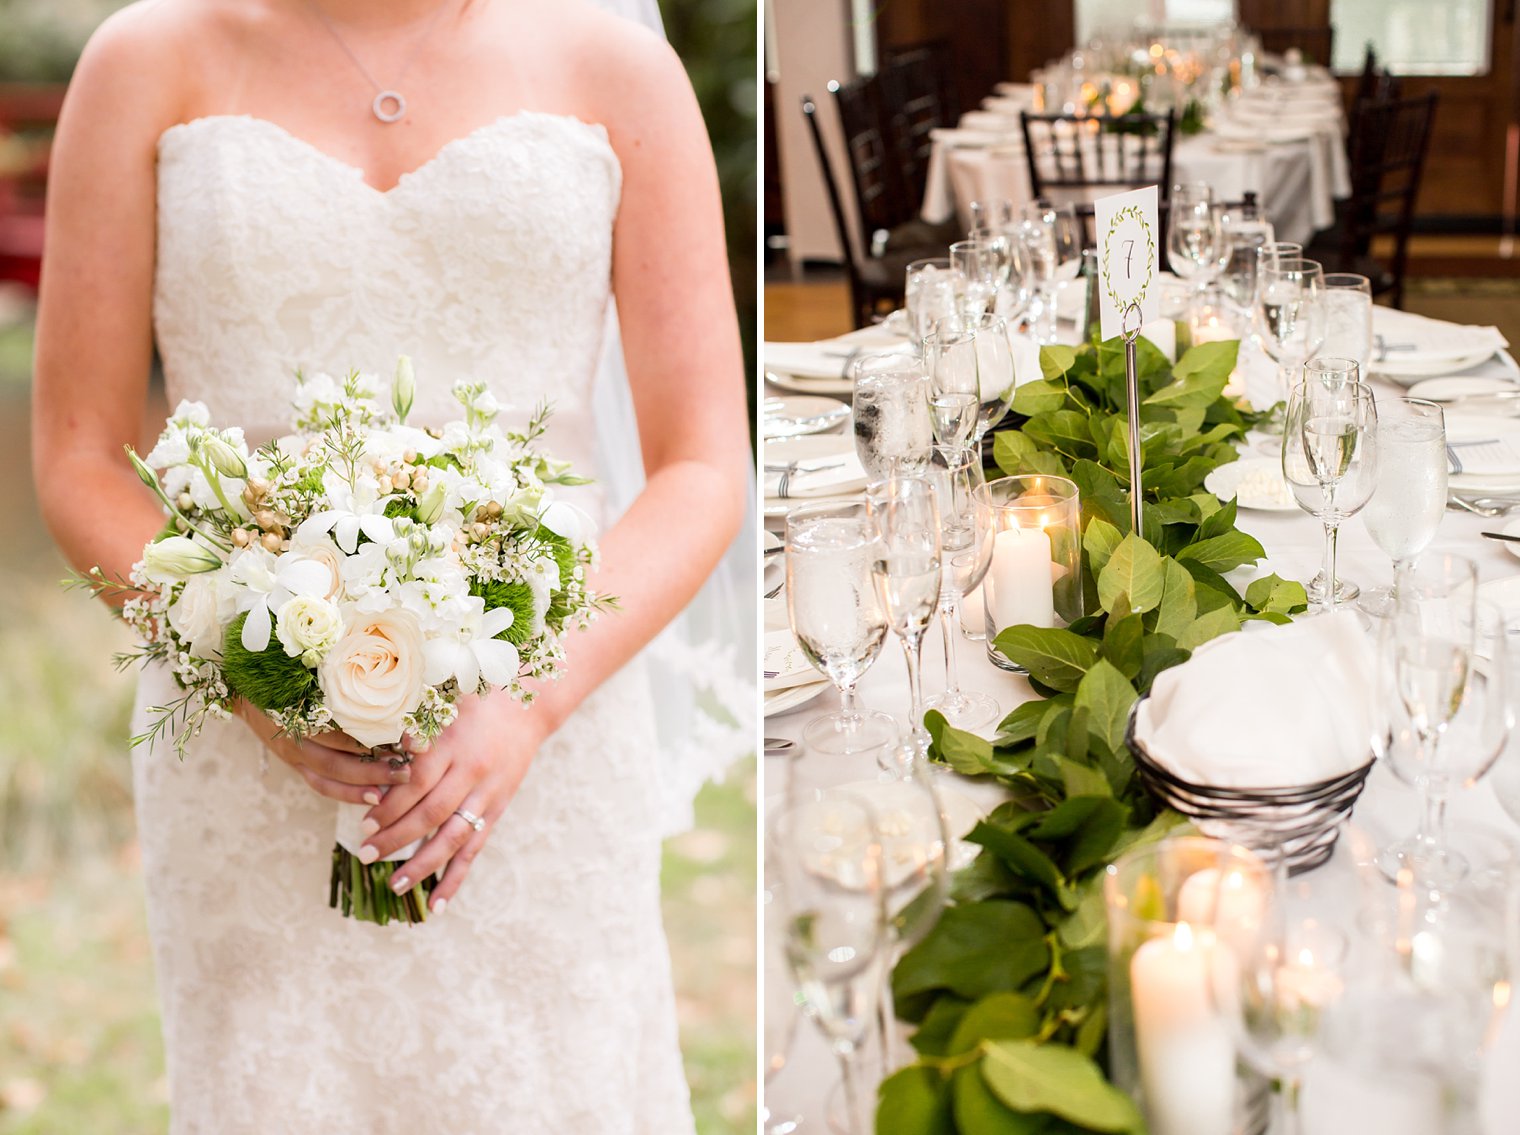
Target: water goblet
894,432
1330,456
1410,497
965,553
930,291
983,265
827,851
1289,316
906,571
972,356
1348,317
1241,243
836,616
1193,236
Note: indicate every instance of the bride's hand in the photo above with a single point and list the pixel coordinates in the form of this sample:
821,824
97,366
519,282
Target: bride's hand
328,762
475,766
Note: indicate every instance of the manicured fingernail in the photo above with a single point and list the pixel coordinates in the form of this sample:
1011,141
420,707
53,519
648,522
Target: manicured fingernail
368,828
440,905
368,853
400,883
372,796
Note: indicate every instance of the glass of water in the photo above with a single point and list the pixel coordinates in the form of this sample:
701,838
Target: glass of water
1193,237
1348,317
1410,498
972,358
894,432
931,289
1289,312
837,617
983,266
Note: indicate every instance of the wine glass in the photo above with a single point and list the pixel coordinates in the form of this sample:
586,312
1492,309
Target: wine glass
1289,316
906,571
828,853
965,553
931,288
1047,239
1242,242
894,433
995,213
1348,317
780,1010
983,265
836,616
972,356
1330,455
1447,657
1410,497
1193,237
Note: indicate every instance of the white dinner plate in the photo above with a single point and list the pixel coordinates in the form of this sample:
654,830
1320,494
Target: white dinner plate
1481,427
1398,369
799,415
1254,482
1461,386
807,384
1503,593
784,701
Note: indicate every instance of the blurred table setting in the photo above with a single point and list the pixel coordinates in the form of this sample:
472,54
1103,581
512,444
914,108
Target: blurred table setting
1000,608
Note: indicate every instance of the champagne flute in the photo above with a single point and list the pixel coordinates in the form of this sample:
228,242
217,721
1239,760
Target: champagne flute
1330,455
972,357
894,431
1410,497
1289,316
906,571
836,616
966,553
1193,237
828,853
1448,656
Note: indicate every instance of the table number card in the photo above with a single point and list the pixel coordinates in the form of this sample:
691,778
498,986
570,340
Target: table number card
1128,257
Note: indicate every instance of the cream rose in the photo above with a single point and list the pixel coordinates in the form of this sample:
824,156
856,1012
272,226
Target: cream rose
372,677
308,627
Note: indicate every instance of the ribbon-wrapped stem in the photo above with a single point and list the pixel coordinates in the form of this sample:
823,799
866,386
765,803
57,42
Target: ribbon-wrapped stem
363,890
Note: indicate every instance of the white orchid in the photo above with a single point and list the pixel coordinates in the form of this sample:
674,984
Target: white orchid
475,652
352,513
269,583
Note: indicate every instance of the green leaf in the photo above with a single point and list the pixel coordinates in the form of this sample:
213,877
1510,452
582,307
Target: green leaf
1086,828
979,1112
1014,453
1219,522
1087,925
1039,397
1190,387
1210,588
1099,542
1270,594
1056,360
1108,696
1134,571
965,752
1023,724
914,1101
1161,653
1078,779
932,1038
1031,1077
988,947
1211,360
1062,430
1224,553
1000,1016
1023,856
1122,644
1053,656
1221,620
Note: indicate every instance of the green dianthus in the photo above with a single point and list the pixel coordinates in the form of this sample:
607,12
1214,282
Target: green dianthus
270,678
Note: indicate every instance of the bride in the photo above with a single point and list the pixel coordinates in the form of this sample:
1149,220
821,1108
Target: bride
260,187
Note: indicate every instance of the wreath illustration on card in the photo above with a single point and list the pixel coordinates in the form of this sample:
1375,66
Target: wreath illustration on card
1137,214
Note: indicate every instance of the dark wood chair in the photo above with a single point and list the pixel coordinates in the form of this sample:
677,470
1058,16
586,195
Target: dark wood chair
1388,142
1075,158
875,268
916,99
1316,43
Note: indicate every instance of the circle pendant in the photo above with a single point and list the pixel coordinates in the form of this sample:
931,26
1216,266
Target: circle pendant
389,106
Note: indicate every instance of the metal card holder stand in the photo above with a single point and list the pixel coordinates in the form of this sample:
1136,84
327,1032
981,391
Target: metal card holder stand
1132,391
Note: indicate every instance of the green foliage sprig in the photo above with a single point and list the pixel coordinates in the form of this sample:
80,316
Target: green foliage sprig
1009,991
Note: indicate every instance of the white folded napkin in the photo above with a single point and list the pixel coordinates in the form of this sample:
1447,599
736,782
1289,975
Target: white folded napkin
844,474
785,664
1272,707
1413,338
967,139
991,121
1483,446
827,357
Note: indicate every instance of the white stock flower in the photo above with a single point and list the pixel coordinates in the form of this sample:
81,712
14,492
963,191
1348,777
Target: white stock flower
475,653
373,677
178,557
308,627
268,583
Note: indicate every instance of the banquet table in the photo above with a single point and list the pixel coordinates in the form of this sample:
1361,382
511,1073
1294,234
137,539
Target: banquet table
1336,1099
1296,171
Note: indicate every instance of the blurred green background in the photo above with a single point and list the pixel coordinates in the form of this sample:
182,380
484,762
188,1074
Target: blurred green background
79,1037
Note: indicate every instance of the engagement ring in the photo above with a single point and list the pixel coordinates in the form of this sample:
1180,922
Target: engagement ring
472,819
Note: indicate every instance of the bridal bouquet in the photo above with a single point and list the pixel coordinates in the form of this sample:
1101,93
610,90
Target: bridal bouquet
359,574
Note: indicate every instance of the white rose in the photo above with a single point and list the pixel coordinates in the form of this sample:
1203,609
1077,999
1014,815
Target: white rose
200,614
308,627
372,677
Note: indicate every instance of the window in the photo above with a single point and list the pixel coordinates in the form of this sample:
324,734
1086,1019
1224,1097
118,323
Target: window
1413,37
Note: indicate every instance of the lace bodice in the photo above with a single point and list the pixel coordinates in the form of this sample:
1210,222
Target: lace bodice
492,260
541,1001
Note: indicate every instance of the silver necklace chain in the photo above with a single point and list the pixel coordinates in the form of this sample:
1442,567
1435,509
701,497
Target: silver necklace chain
388,104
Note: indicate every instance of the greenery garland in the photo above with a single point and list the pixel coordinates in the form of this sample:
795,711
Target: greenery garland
1009,989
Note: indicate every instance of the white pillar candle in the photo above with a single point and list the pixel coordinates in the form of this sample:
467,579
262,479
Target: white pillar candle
1018,584
1187,1056
1240,900
1163,333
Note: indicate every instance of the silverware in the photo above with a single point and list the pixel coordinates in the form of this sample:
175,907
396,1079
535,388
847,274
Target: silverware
1382,347
1486,507
779,746
796,467
775,591
1501,536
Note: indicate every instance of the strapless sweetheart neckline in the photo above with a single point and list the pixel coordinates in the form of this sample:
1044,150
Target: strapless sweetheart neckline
439,157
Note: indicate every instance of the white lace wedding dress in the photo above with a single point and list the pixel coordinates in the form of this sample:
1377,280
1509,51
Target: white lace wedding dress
540,1003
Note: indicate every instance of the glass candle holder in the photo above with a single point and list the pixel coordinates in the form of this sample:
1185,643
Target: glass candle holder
1036,576
1169,1046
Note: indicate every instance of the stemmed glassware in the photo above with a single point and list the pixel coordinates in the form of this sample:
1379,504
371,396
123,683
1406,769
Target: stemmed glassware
1410,498
984,267
1446,656
894,434
965,553
828,853
971,357
1330,454
931,291
837,617
1348,317
1241,242
1290,311
1193,238
1047,239
906,572
780,1013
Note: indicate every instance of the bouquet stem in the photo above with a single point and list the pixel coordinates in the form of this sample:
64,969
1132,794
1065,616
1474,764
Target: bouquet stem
363,891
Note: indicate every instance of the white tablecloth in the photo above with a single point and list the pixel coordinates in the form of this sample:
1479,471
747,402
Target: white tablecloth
1334,1105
